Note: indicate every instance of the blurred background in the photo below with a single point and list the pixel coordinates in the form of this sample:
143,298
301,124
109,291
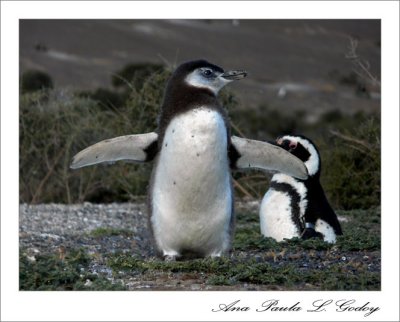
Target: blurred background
82,81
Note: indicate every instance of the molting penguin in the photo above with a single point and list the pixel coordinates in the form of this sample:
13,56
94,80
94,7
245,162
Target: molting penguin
190,194
298,208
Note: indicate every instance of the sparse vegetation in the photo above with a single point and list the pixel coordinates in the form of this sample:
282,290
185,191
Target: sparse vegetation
349,146
54,125
353,263
50,272
35,80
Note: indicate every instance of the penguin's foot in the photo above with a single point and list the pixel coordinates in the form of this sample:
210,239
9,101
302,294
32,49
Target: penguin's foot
311,233
216,255
170,258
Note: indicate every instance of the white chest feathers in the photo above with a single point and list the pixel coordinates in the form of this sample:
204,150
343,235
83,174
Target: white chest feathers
278,209
191,192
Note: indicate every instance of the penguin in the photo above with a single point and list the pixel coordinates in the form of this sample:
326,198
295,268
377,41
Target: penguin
190,195
294,207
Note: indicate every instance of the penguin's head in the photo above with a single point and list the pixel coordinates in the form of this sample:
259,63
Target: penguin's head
304,149
204,75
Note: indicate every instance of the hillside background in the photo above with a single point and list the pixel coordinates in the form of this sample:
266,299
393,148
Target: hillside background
305,57
86,80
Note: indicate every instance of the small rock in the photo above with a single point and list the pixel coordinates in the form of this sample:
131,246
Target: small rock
195,287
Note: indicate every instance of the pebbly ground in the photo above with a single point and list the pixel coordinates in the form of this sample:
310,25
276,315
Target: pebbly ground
109,247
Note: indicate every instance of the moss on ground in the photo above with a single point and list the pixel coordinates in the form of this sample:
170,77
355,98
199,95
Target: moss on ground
52,272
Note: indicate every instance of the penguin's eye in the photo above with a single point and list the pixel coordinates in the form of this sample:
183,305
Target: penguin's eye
207,72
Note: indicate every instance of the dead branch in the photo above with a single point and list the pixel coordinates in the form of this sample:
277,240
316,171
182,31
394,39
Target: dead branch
47,176
361,67
351,139
236,184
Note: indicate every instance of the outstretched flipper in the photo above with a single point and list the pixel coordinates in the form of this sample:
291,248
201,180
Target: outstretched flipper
140,148
266,156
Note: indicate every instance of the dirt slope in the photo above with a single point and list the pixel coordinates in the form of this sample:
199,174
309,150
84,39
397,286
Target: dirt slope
291,63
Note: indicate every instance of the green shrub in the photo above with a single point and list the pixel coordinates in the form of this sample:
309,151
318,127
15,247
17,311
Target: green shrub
105,98
54,125
349,147
35,80
51,129
352,165
267,123
135,75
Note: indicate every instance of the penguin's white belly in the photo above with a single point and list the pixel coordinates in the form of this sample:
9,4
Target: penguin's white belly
191,192
326,230
276,216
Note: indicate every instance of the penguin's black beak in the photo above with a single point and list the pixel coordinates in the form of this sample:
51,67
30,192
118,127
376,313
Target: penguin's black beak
234,74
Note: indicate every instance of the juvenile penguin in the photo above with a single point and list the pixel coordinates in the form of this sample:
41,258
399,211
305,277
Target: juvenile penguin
190,193
298,208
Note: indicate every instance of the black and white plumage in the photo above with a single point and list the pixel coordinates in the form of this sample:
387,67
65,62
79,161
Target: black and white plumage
298,208
190,194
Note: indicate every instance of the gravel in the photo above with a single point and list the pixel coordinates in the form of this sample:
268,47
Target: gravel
56,228
45,228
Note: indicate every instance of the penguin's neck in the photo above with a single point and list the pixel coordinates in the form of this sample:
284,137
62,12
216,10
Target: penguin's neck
182,99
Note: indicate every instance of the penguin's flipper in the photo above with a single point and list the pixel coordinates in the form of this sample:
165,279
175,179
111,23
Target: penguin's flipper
140,148
266,156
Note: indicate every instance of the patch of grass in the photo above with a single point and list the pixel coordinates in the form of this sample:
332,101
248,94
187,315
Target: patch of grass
126,262
250,238
224,271
247,217
361,232
49,272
